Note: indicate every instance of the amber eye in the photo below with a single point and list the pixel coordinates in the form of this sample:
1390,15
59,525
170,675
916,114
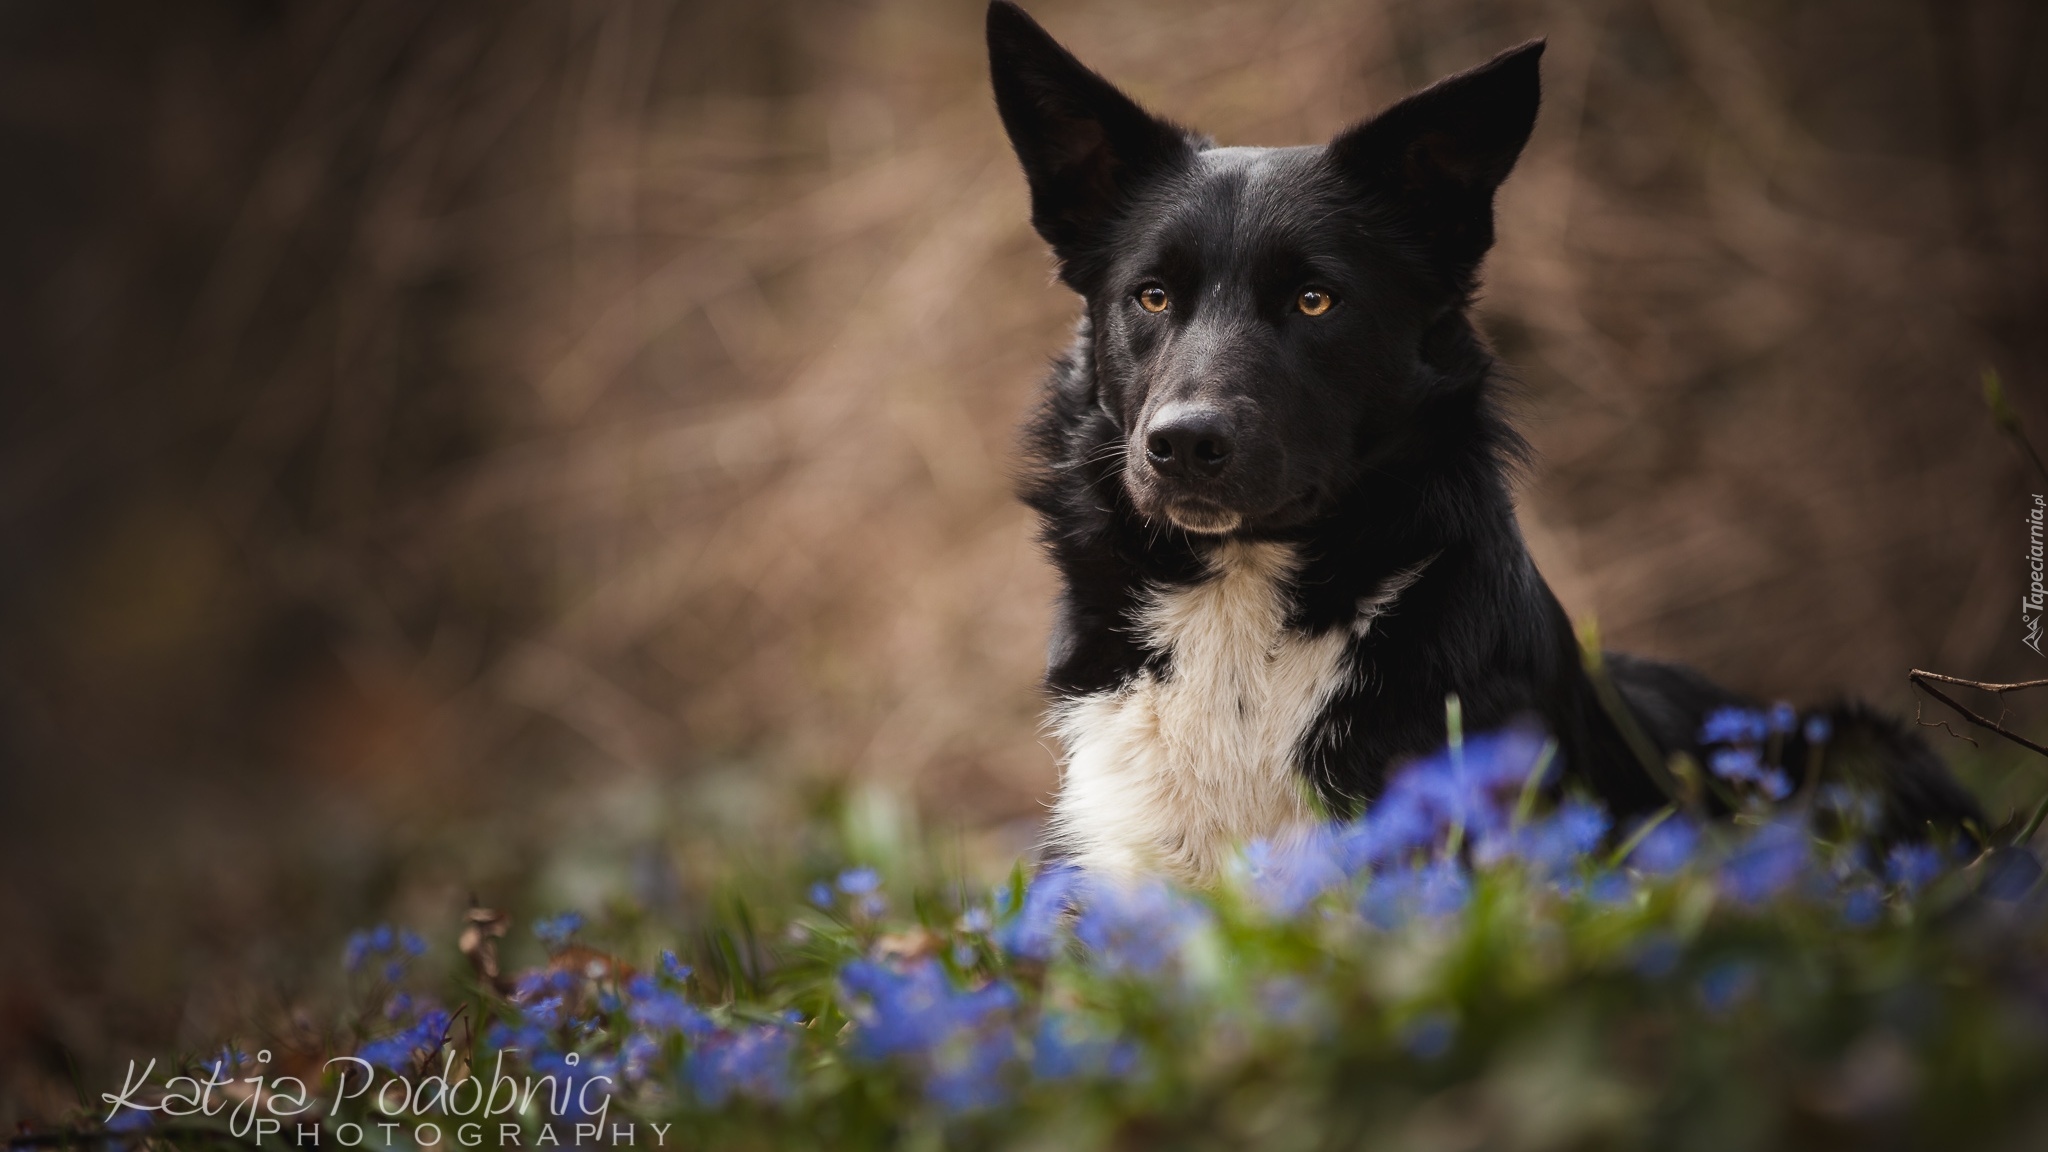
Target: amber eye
1314,301
1152,298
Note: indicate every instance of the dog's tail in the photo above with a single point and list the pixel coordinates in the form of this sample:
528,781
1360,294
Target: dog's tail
1874,754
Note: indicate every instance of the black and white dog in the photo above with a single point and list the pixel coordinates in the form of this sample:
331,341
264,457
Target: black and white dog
1274,474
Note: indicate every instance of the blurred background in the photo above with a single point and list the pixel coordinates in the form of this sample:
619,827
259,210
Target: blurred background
480,447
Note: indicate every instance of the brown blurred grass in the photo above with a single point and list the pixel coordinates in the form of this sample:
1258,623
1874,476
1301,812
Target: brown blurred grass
440,434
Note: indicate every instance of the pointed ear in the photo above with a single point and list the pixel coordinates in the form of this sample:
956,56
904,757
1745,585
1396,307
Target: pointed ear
1439,154
1084,145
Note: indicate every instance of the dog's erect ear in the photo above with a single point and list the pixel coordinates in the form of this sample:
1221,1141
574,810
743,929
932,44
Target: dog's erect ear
1440,154
1084,145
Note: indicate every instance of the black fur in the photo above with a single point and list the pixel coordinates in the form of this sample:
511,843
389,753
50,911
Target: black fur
1370,436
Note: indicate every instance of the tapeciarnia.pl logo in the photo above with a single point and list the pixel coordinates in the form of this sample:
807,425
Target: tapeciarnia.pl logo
464,1110
2035,601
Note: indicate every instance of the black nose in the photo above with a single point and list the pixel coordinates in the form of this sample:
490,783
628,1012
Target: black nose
1193,444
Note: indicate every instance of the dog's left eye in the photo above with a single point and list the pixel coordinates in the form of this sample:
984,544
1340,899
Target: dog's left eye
1152,298
1314,301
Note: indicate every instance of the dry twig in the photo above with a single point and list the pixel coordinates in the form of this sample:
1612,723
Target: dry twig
1925,681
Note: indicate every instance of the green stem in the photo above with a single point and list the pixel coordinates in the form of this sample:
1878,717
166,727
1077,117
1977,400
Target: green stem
1454,725
1636,838
1525,804
2008,419
1617,710
2033,823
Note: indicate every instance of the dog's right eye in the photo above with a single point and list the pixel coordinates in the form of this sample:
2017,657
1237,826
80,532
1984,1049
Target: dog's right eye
1314,301
1152,298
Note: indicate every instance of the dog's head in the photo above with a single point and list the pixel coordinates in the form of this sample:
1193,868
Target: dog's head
1266,322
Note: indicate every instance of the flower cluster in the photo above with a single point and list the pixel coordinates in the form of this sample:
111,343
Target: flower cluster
1442,827
1476,889
1472,802
605,1021
403,1050
970,1039
396,947
556,931
862,888
1751,749
961,1039
751,1061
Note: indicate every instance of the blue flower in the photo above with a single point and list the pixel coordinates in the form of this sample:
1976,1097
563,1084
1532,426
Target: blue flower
383,940
130,1119
1665,848
537,983
1033,933
1137,927
865,884
577,1073
660,1010
544,1013
638,1054
392,1052
1430,890
751,1062
1743,765
1912,866
1473,788
1552,845
1767,863
859,881
1819,729
399,1052
914,1011
1395,828
1735,726
1600,888
524,1037
356,951
977,920
672,968
1063,1048
1441,889
821,895
1862,906
1782,719
968,1076
1286,878
555,931
961,1038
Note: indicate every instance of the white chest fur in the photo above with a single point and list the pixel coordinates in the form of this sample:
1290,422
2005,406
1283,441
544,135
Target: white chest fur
1166,773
